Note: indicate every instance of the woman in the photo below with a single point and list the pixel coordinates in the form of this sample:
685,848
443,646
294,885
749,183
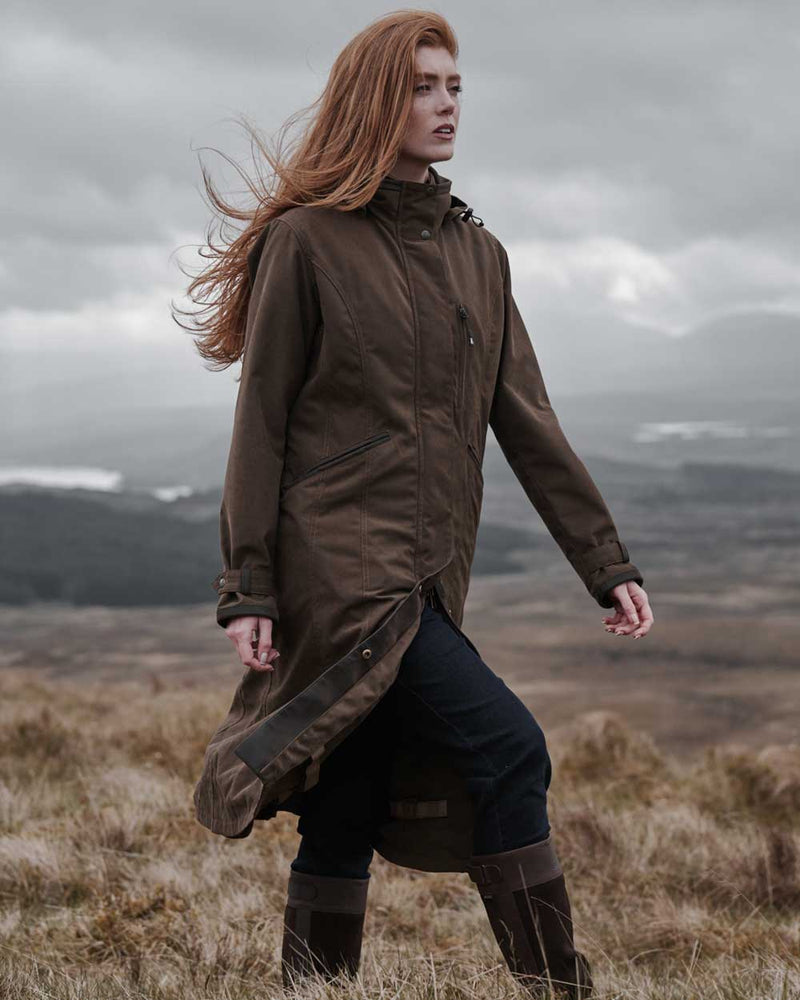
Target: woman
380,339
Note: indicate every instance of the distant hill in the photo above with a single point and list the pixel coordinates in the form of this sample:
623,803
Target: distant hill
124,548
752,355
742,356
165,422
94,550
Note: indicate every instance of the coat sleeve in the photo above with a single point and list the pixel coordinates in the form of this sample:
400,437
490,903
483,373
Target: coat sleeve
555,480
282,318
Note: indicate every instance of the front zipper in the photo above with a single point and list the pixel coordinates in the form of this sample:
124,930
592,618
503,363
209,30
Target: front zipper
468,341
356,449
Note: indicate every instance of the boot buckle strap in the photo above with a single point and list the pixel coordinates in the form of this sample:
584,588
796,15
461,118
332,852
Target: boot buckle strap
485,874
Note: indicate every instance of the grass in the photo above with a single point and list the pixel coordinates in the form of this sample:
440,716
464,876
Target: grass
684,877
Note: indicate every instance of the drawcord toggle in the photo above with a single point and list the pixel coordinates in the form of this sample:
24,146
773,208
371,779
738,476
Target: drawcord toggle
468,214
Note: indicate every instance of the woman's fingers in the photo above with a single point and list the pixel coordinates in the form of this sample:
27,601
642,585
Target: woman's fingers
245,650
627,613
645,616
609,621
252,636
633,613
266,654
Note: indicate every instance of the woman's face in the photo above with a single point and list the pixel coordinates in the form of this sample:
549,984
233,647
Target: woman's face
437,86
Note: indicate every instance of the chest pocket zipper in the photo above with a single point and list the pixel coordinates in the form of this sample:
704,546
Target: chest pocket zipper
467,342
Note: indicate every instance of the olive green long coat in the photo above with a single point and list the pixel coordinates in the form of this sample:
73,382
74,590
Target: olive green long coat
380,344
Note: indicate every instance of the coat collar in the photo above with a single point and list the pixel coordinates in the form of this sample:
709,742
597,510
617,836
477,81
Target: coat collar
417,206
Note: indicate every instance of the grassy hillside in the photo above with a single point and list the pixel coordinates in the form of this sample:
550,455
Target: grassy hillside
684,876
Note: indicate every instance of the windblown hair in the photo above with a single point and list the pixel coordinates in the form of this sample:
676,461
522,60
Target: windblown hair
357,129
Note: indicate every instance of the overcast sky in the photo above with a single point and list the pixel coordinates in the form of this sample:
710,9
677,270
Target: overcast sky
638,160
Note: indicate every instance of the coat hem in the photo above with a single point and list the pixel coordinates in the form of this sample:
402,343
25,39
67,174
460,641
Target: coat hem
298,746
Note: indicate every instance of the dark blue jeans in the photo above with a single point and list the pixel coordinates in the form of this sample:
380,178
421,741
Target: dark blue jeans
491,737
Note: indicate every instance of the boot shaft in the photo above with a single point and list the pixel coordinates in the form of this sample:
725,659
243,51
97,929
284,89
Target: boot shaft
525,897
323,925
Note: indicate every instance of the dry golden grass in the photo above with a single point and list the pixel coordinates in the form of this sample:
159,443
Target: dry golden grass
684,878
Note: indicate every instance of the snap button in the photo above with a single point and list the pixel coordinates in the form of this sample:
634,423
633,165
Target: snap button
430,189
425,234
221,580
366,653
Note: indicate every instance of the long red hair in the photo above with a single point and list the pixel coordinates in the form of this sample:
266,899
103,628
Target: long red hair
351,143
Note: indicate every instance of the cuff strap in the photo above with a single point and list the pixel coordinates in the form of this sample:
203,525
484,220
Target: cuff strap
247,580
603,555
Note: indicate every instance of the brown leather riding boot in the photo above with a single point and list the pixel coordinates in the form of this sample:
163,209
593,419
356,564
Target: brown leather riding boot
322,925
526,901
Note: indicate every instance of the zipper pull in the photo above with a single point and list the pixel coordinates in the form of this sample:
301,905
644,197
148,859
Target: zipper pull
469,332
462,312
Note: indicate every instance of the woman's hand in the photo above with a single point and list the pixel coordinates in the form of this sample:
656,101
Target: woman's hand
252,636
633,615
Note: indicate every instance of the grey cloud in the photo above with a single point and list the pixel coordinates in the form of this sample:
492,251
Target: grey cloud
696,101
663,125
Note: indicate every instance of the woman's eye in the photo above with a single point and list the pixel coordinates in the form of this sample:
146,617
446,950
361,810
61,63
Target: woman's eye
423,86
